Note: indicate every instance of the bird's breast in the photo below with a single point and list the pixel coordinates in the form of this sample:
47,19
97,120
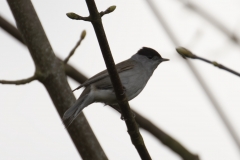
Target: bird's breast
134,82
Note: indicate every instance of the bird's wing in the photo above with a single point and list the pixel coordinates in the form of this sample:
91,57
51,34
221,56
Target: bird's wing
122,66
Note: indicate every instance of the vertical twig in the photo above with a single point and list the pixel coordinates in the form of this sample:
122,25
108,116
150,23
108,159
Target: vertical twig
133,130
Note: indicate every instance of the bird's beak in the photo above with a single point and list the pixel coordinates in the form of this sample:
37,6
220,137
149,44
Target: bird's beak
164,59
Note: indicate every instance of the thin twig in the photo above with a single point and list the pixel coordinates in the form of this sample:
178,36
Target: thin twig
83,34
132,126
208,93
188,54
20,82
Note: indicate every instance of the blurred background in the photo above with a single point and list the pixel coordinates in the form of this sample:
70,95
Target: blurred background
173,99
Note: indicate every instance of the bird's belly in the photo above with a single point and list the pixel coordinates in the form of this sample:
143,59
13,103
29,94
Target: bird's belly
109,97
105,96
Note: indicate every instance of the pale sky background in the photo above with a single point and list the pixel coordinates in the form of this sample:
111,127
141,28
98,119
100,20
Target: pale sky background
30,127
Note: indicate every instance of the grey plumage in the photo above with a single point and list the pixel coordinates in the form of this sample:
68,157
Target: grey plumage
134,74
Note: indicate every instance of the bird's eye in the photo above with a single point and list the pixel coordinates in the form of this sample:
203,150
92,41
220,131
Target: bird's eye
150,57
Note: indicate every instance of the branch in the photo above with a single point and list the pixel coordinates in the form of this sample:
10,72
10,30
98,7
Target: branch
83,34
11,29
143,122
167,140
132,126
52,75
211,20
20,82
208,93
185,53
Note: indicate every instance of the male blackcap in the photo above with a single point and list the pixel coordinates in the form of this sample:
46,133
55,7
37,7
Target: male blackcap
134,74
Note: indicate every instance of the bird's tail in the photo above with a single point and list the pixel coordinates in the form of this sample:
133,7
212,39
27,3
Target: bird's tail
76,109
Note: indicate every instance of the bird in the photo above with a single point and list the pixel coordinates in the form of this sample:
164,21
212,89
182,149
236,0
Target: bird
134,74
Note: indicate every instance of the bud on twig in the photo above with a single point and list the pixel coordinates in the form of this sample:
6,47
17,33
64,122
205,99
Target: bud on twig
72,15
75,16
185,53
83,34
107,11
110,9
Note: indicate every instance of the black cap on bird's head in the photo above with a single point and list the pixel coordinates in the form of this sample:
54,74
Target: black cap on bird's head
150,53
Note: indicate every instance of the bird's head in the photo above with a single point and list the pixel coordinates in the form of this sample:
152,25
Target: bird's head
149,57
